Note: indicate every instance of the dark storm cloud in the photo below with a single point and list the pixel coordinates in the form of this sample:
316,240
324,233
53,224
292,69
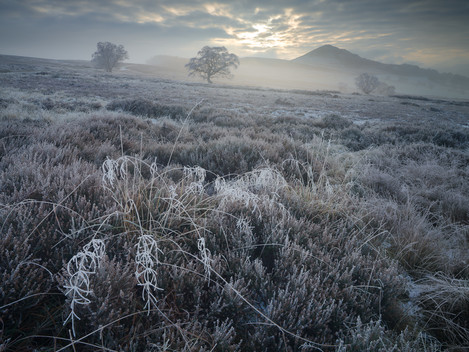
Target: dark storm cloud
429,32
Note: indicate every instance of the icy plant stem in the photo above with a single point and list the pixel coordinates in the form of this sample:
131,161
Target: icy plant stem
79,269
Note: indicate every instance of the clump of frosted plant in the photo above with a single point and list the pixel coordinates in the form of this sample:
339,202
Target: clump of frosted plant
113,169
282,213
118,168
205,255
153,169
109,171
235,192
79,269
265,179
243,225
146,260
197,176
246,189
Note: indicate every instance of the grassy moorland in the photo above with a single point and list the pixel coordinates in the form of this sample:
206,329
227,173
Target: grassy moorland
140,214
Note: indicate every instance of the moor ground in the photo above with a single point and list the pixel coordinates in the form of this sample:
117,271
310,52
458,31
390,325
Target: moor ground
141,214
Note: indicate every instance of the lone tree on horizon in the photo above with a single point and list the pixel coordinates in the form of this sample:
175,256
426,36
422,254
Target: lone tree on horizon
109,55
367,82
211,62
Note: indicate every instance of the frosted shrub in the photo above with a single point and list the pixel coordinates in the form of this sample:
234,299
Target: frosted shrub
264,179
244,226
147,250
147,108
196,177
136,193
373,337
251,189
235,193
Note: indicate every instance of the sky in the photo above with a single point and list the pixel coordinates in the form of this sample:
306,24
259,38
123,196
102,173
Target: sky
428,33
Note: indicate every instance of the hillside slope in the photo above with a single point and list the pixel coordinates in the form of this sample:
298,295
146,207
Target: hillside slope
342,59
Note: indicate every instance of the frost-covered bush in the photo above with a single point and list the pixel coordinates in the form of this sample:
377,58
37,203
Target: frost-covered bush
374,337
333,121
73,105
147,108
49,204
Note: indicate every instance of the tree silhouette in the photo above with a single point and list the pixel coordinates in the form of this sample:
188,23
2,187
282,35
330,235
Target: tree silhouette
211,62
367,82
109,55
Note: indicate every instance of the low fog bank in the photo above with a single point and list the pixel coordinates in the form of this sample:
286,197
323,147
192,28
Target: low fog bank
283,74
270,73
260,72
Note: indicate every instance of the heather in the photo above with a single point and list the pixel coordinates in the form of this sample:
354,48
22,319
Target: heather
140,214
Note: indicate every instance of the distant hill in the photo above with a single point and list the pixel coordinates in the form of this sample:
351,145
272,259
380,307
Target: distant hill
331,55
342,59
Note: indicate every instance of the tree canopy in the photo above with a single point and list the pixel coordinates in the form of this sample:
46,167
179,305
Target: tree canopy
367,82
108,55
211,62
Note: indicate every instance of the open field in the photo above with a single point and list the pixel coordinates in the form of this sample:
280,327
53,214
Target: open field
139,213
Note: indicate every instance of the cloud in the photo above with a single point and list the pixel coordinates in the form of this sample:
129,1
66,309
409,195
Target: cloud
414,30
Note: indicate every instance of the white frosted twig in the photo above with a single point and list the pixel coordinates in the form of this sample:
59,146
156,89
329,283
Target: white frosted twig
79,269
205,255
146,260
109,172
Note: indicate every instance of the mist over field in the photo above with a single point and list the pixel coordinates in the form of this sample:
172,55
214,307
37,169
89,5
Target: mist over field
326,68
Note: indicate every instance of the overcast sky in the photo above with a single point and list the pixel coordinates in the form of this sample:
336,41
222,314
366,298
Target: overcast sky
430,33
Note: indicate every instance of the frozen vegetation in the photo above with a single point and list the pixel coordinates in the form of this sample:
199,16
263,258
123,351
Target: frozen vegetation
142,214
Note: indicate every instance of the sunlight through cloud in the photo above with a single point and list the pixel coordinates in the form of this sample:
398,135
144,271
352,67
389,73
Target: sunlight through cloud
378,30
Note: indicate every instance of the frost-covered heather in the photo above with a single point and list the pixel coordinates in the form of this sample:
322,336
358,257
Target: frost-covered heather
267,220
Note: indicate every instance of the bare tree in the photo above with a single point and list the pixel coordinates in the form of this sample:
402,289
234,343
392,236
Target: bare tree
109,55
367,82
211,62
